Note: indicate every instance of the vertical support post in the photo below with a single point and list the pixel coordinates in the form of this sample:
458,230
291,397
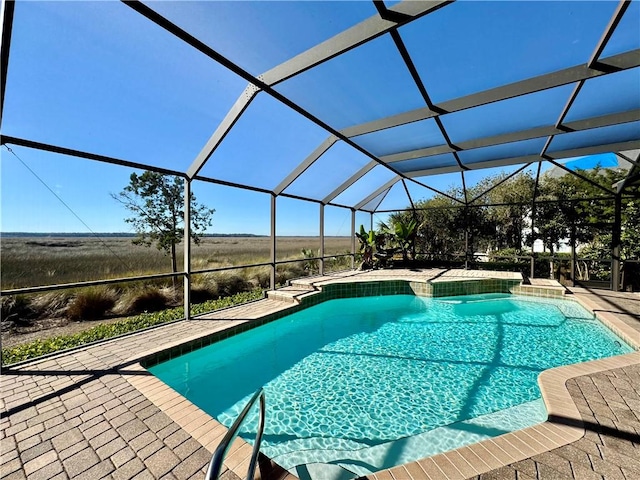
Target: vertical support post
533,217
572,282
353,239
533,240
371,221
272,282
466,249
466,237
7,8
186,289
321,264
615,244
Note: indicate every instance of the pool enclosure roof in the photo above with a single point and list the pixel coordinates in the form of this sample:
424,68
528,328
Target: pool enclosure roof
365,105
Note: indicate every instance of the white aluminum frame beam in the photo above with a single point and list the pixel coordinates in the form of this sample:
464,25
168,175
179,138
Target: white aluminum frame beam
387,186
350,181
230,119
300,169
349,39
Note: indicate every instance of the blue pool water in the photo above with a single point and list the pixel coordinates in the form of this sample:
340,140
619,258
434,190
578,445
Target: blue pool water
368,383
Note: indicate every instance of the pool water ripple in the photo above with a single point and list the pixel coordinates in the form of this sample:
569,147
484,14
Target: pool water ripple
360,378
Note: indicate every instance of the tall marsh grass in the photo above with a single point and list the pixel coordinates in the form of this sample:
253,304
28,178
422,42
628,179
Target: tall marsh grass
36,261
39,261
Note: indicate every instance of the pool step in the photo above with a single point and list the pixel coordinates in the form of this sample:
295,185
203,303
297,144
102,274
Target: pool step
292,293
540,287
322,471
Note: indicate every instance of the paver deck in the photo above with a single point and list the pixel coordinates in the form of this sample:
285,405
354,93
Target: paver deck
79,415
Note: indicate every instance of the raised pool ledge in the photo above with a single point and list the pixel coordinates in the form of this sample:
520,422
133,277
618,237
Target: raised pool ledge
564,424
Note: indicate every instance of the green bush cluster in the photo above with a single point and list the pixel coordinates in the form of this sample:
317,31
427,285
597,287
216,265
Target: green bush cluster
38,348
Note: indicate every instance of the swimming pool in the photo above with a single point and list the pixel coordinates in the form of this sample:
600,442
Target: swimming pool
368,383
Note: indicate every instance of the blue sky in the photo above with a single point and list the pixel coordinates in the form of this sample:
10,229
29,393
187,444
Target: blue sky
98,77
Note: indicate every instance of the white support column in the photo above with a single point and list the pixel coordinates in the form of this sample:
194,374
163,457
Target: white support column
187,249
321,263
273,242
353,239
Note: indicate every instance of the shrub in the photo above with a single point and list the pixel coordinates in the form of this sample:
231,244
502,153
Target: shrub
16,308
149,300
230,283
201,294
50,304
91,304
260,277
288,272
144,298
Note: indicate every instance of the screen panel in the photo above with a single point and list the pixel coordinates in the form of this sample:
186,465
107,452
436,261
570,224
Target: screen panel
506,150
477,179
367,83
396,199
365,186
372,205
260,35
265,145
449,183
337,230
404,138
241,227
596,136
425,163
126,89
72,221
603,160
557,34
297,228
419,192
328,172
613,93
365,220
625,37
513,115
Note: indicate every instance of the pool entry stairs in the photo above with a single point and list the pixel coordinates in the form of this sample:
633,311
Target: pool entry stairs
293,293
428,282
322,471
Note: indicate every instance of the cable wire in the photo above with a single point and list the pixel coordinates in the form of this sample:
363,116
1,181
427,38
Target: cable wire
66,205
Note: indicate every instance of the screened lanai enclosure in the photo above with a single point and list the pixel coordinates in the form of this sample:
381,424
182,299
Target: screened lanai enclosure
508,131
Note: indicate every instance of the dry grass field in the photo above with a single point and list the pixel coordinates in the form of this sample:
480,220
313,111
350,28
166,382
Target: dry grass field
33,261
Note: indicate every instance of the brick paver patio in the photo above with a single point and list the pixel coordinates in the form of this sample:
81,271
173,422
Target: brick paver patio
78,415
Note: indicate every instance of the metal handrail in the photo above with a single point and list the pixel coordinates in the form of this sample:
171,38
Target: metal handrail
216,464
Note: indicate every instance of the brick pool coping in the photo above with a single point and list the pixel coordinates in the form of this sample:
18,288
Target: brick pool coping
94,413
563,427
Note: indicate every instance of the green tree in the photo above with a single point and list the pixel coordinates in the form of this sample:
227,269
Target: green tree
438,235
157,204
401,234
575,207
630,234
510,218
